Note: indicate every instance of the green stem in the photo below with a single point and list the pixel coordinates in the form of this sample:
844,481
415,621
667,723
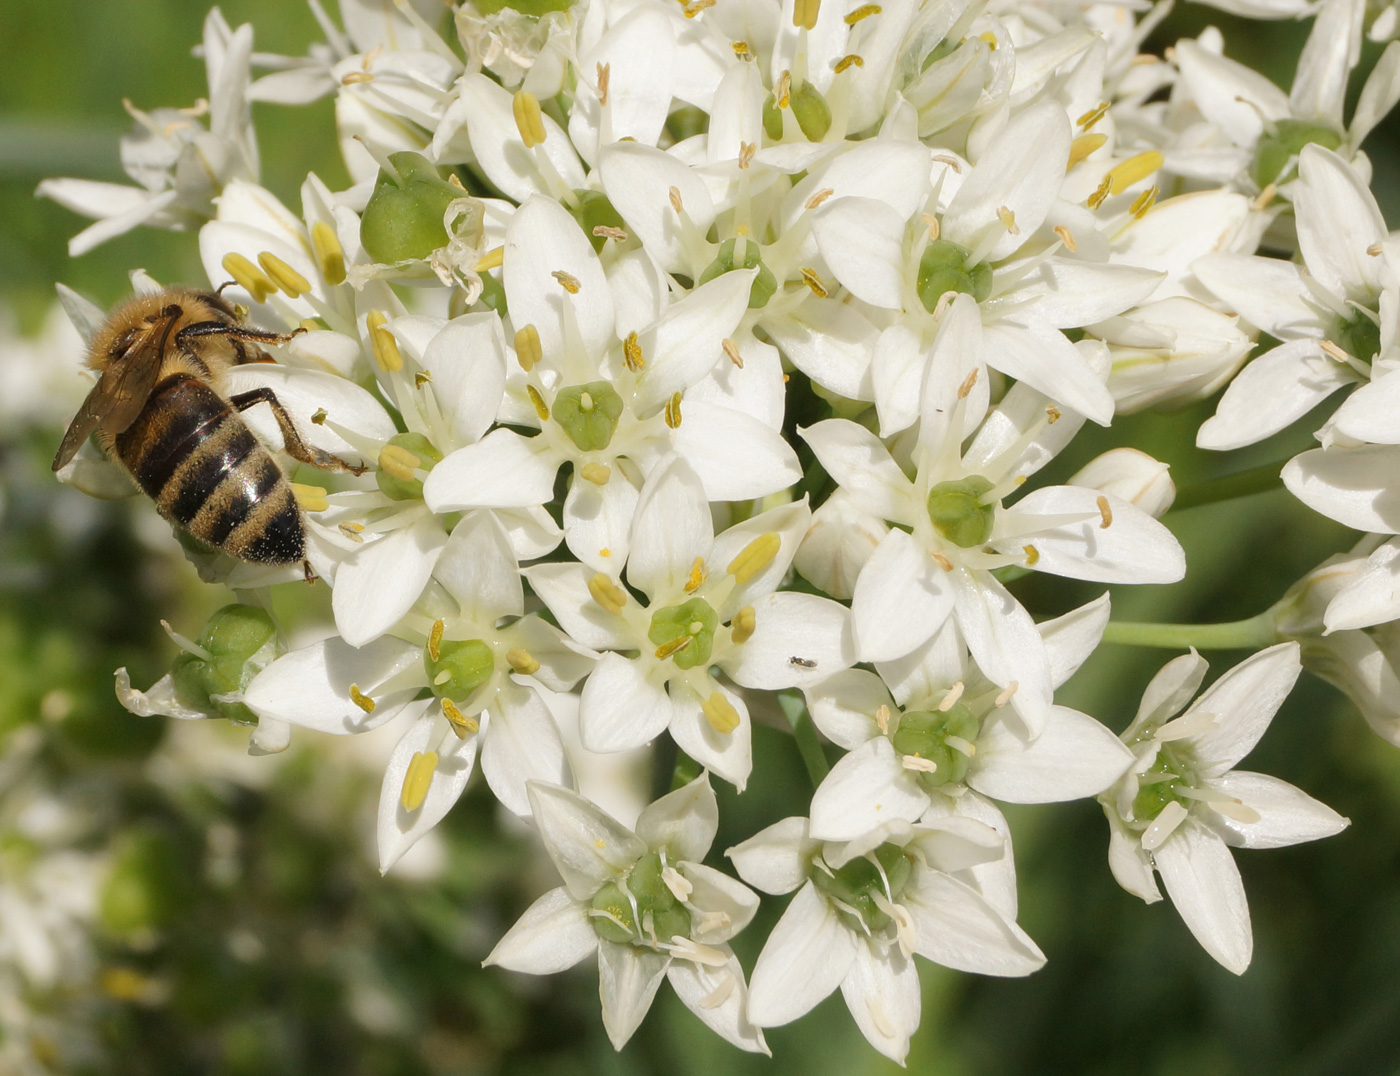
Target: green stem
805,733
1241,484
1251,634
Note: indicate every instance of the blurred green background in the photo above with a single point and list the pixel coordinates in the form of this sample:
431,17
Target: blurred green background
241,926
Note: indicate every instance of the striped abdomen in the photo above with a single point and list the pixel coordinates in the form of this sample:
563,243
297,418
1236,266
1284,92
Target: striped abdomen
197,459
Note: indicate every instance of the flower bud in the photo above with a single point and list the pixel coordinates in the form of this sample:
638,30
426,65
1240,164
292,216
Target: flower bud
1132,476
1170,352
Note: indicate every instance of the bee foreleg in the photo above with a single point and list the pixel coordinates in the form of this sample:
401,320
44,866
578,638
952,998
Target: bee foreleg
237,333
296,446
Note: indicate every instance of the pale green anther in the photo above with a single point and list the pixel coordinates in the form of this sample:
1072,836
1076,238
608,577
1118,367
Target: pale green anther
764,285
467,663
958,513
943,268
658,915
233,636
408,489
694,620
854,886
1287,139
588,414
924,734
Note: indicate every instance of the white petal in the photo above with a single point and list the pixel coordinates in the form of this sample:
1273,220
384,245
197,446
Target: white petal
637,180
719,997
621,708
597,520
1031,351
478,569
862,243
382,579
1287,815
311,687
1070,639
861,465
628,978
1236,98
736,456
303,393
1068,293
541,240
797,639
1372,412
398,829
588,846
958,928
729,754
1204,884
1243,702
467,362
564,588
682,822
898,369
503,470
882,993
1267,292
901,598
829,341
775,859
1354,486
1132,548
1005,644
729,903
866,789
1338,222
554,934
1129,861
520,744
1074,757
842,706
496,144
687,343
805,958
671,527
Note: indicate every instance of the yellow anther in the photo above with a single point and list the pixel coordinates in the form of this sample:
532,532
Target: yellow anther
605,552
990,39
382,343
528,350
818,198
851,60
943,562
742,50
607,231
1105,512
741,627
1100,193
1134,170
541,408
732,350
755,556
674,194
330,255
746,152
421,378
1082,146
435,638
720,713
522,661
804,13
360,699
696,6
567,281
1092,117
248,276
673,411
417,779
311,498
318,417
607,593
782,90
1008,219
604,78
1053,414
528,119
283,275
965,389
862,12
352,531
810,278
461,724
354,77
1066,237
399,462
696,577
1143,202
597,473
675,646
1032,555
492,259
632,353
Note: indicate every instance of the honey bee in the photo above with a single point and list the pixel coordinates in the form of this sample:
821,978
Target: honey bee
160,408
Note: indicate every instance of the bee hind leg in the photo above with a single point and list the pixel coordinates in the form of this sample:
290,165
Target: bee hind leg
297,447
308,572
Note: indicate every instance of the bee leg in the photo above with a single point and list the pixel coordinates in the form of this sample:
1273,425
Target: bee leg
308,572
236,334
297,447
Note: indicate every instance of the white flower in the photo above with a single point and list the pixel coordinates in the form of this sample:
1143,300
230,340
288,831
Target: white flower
864,908
707,601
645,903
1183,804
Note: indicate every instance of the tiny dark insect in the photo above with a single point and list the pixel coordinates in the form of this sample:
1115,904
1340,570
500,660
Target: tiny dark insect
802,663
160,408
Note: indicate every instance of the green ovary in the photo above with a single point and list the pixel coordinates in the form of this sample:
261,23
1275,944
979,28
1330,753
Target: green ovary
588,414
232,637
764,285
1285,141
925,733
1153,797
943,268
957,511
460,668
854,886
694,620
408,489
1359,335
658,914
403,218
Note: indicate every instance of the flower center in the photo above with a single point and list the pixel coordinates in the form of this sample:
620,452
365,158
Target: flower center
941,738
684,633
461,666
400,460
1277,147
958,513
1358,335
640,909
1160,785
234,637
943,267
853,888
588,414
764,285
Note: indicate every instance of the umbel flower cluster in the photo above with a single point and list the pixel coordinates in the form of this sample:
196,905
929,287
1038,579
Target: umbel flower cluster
702,359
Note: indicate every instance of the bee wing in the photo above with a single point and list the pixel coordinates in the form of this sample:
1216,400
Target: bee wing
118,396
